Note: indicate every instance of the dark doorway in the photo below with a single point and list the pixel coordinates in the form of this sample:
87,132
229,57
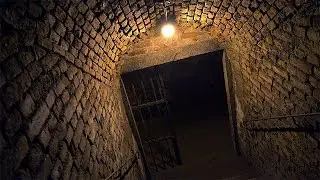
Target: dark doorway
196,85
193,92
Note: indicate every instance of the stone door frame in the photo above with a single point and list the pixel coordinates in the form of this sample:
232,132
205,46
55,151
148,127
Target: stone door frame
227,71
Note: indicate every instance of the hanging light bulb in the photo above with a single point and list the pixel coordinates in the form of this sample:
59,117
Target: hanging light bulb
168,29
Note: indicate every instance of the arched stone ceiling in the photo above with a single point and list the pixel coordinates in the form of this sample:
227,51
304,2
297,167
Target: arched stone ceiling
105,28
59,60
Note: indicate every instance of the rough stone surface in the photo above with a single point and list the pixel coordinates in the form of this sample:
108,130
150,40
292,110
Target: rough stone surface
55,46
55,88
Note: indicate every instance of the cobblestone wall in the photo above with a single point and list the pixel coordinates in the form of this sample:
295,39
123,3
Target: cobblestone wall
58,78
61,110
274,50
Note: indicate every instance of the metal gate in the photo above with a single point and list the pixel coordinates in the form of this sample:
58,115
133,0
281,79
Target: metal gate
147,93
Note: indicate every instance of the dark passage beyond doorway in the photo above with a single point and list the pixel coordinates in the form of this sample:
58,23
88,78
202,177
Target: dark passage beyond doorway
196,84
194,89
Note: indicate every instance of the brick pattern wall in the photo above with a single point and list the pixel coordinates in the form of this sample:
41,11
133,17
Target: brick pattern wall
60,61
61,109
274,50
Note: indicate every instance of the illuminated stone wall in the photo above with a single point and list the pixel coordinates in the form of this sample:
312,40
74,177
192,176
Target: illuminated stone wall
61,109
60,105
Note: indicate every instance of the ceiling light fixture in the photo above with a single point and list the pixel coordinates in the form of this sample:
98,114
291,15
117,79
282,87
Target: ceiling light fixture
168,29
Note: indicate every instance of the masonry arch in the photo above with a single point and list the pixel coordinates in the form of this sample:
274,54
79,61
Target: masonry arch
61,110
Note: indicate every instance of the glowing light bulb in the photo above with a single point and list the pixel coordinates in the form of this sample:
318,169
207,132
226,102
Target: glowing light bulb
168,30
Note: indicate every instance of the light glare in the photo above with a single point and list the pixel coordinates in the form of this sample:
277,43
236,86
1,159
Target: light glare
168,30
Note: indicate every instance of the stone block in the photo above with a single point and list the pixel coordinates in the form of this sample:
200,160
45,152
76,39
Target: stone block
52,122
64,45
78,159
95,23
45,42
10,96
89,16
79,91
49,61
74,121
77,43
300,85
47,5
73,11
80,20
57,170
38,120
45,136
60,29
62,65
64,152
60,14
302,65
20,151
54,147
82,7
299,31
69,37
61,85
265,19
314,82
283,73
67,168
316,94
8,45
69,135
59,49
60,130
78,133
35,157
83,143
72,70
69,23
65,97
265,77
23,82
11,68
45,168
41,87
70,109
49,20
86,155
313,59
313,34
26,57
70,57
71,88
74,173
50,99
27,105
316,72
76,81
54,38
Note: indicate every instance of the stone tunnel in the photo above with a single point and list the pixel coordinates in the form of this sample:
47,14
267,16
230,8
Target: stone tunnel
62,113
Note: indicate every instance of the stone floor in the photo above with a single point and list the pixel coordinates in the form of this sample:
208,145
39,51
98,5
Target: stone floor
207,150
